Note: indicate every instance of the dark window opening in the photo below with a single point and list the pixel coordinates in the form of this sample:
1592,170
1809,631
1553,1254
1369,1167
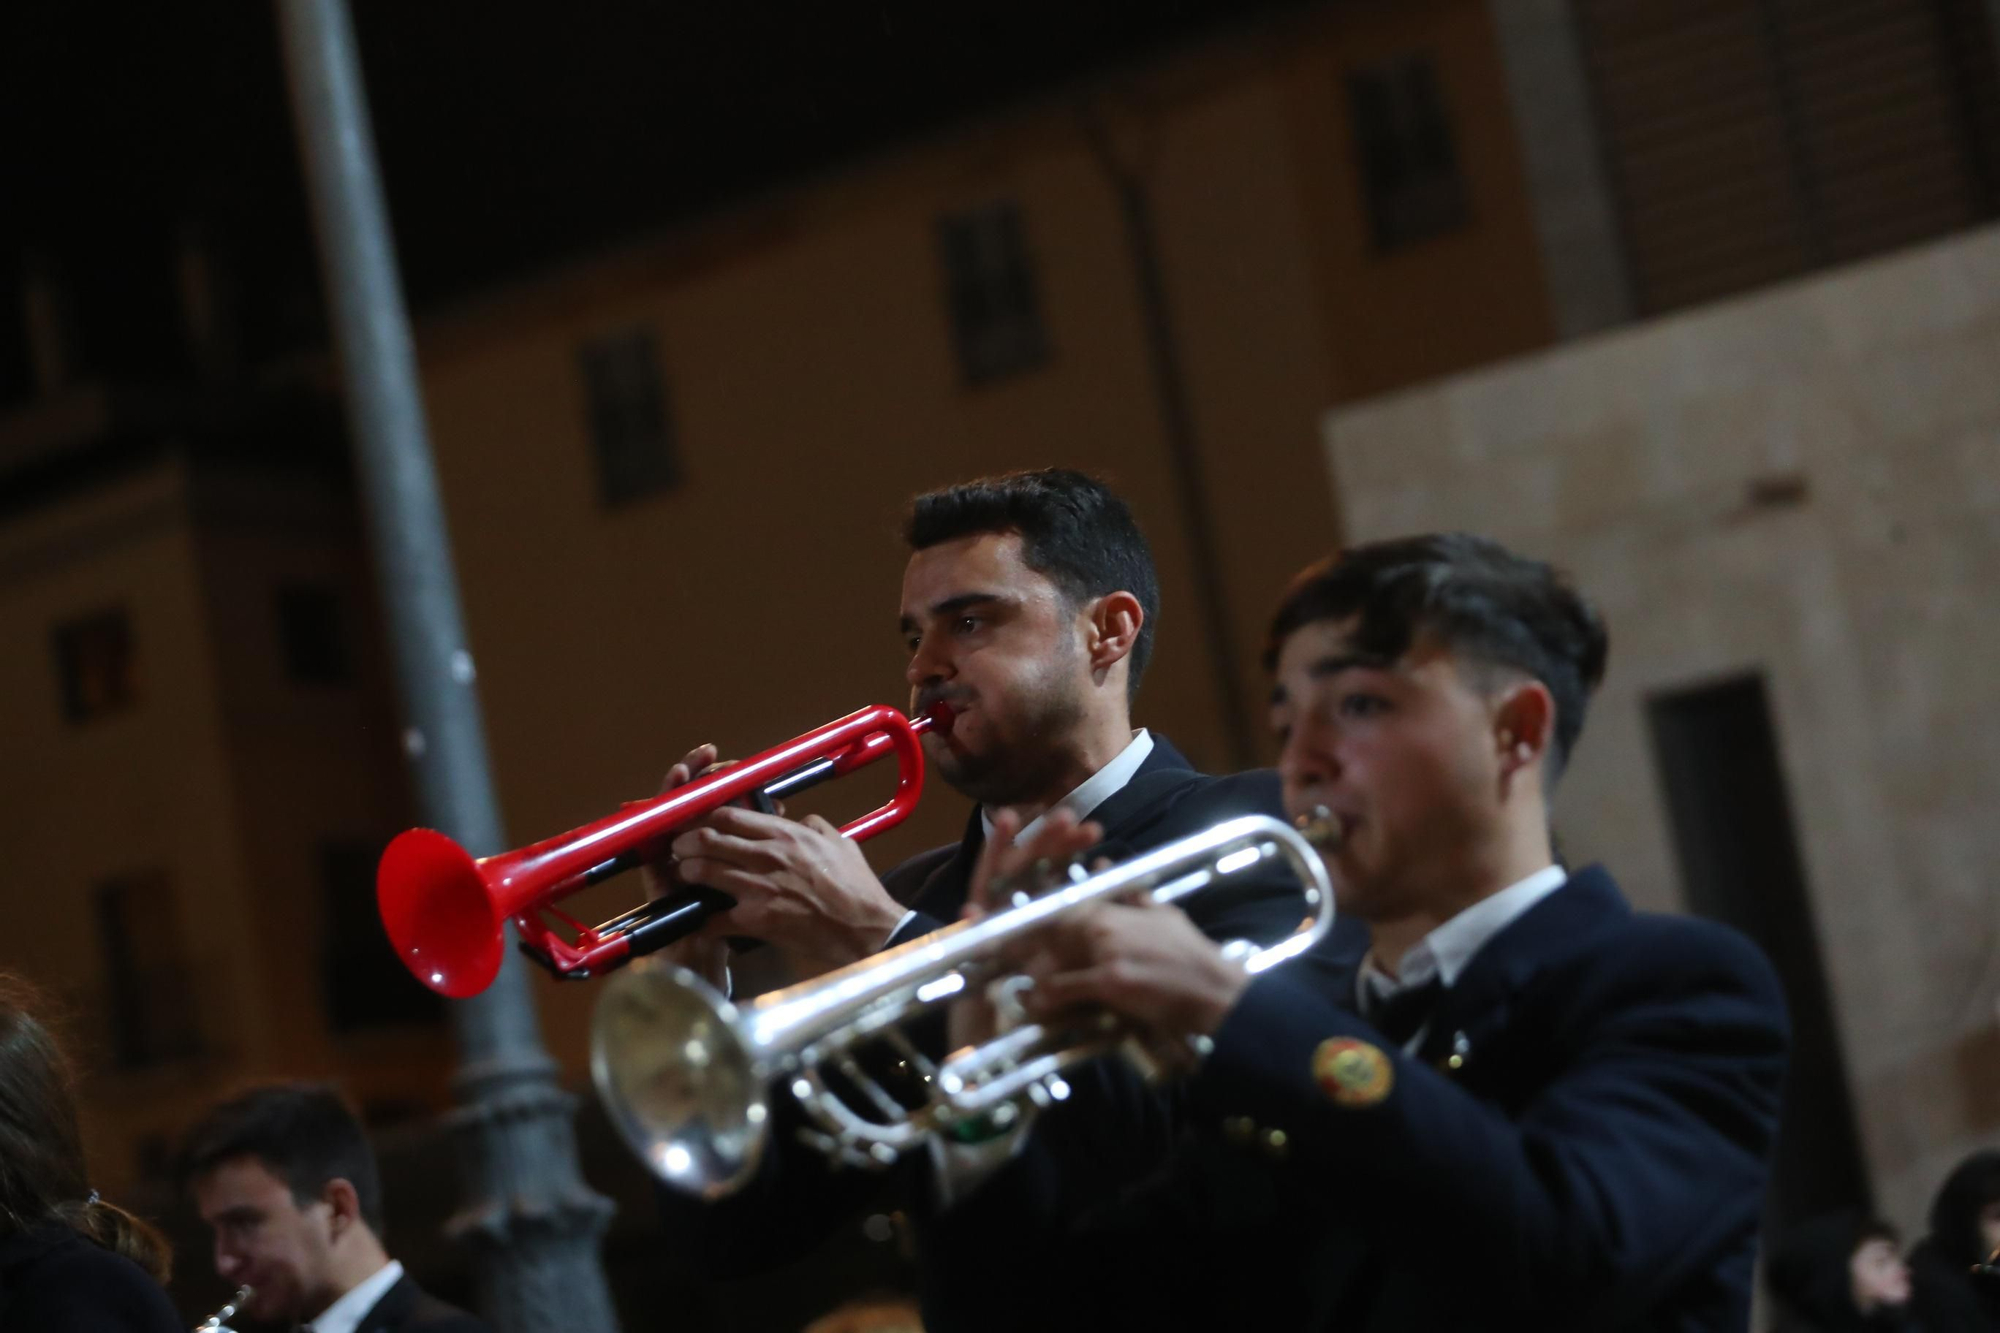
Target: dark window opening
150,985
311,634
364,983
96,663
1717,751
1409,161
630,428
996,317
1750,141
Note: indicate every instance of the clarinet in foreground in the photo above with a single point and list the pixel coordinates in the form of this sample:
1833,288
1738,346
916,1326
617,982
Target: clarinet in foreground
214,1323
685,1074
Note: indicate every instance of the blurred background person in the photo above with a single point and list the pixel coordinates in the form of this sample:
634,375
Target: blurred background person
1842,1271
1964,1235
285,1178
70,1261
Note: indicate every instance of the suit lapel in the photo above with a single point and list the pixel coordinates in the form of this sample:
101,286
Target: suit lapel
390,1311
1121,813
1128,809
942,893
1478,1004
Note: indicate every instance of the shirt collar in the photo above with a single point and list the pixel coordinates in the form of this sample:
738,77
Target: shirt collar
345,1314
1094,791
1444,953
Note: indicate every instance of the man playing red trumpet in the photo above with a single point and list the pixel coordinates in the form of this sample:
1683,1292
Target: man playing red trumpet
1028,607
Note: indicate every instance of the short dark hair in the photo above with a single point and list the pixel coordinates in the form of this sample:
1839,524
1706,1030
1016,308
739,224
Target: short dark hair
1473,595
303,1133
1074,530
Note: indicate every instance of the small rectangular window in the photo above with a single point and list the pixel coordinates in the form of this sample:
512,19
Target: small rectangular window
996,318
630,428
312,636
364,983
96,664
151,986
1409,162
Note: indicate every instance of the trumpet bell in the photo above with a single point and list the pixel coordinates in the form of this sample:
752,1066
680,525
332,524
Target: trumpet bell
678,1081
439,913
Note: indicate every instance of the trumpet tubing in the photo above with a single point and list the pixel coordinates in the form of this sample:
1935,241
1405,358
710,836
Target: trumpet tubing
214,1324
685,1073
446,911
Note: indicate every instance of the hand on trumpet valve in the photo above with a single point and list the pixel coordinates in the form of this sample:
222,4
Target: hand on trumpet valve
799,884
705,953
1141,960
1007,874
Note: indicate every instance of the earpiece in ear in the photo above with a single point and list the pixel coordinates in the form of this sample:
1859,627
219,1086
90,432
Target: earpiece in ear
1524,752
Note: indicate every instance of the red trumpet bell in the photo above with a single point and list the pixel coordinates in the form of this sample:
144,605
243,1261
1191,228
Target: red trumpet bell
446,911
448,931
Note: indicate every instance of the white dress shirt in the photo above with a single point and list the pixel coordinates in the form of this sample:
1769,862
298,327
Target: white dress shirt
345,1314
1443,954
1092,792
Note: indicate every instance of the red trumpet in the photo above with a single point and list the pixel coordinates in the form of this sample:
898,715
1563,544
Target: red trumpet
446,911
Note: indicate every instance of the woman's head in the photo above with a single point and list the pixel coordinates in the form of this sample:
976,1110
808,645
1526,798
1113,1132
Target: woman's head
43,1178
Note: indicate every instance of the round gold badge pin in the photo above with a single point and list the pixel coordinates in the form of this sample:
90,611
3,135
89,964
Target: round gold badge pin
1353,1072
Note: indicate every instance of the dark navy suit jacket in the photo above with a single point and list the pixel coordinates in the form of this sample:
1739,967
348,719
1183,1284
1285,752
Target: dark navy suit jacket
406,1307
1595,1158
796,1199
52,1280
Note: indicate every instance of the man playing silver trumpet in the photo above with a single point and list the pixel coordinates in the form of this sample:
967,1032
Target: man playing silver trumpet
1028,607
1525,1106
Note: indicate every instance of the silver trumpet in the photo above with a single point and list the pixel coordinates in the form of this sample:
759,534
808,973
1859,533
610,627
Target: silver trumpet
685,1074
214,1324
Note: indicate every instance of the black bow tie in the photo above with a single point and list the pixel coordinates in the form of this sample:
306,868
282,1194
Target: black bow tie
1402,1015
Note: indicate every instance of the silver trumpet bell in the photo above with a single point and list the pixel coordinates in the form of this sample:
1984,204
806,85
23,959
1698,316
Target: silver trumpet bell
214,1324
685,1074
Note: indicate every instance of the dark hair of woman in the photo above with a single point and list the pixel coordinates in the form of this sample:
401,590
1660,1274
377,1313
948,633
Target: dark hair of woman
43,1179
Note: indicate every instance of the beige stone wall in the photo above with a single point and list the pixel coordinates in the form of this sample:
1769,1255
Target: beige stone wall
136,791
308,764
1804,482
222,775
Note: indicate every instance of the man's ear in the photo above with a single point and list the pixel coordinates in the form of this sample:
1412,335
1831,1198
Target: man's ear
1114,622
343,1204
1524,724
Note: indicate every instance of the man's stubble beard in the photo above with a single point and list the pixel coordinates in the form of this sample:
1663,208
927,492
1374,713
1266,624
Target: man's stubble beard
1046,713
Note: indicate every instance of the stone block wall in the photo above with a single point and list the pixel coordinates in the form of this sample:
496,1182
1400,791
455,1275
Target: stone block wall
1804,483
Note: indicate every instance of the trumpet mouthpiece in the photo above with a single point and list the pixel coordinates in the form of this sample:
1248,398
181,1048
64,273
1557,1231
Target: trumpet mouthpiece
941,715
1320,827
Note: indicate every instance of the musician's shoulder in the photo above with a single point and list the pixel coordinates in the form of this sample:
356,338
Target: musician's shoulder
1703,953
1668,955
1216,797
57,1279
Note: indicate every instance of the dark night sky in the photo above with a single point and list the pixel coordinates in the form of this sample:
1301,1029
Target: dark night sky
511,135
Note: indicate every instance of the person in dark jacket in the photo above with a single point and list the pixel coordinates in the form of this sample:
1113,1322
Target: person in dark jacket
1528,1106
1028,606
1841,1273
286,1180
1957,1266
70,1261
